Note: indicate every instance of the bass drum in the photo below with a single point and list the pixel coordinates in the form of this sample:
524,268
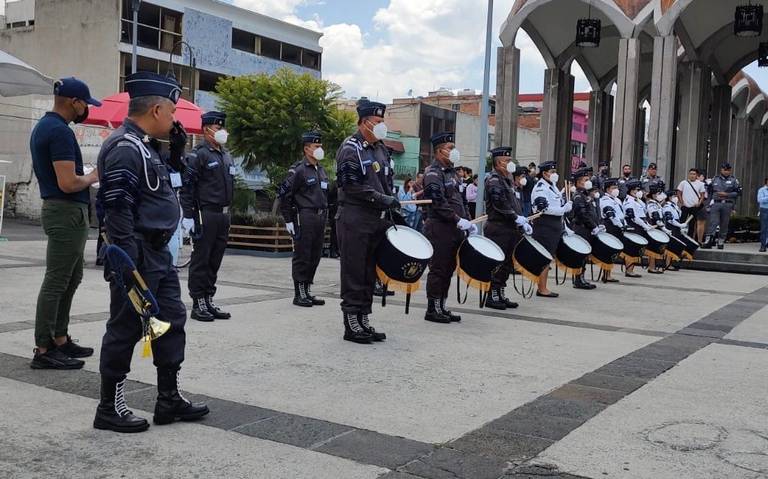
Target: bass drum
657,243
634,246
530,258
605,248
572,252
478,258
401,258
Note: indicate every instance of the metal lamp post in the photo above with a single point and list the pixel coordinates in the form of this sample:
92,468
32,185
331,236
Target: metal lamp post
192,64
135,5
480,206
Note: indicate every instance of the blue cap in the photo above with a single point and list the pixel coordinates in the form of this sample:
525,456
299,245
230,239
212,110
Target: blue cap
312,137
520,171
440,138
501,151
213,118
726,166
580,173
71,87
548,165
151,84
371,108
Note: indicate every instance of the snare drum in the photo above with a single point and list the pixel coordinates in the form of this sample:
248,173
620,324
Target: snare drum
530,258
605,248
675,248
572,253
691,245
657,243
478,259
401,258
634,244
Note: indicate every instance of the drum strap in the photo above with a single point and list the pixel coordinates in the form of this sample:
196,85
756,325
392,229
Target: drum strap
521,291
458,290
557,278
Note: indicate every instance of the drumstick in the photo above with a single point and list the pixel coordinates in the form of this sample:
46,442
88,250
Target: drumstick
416,202
533,217
479,219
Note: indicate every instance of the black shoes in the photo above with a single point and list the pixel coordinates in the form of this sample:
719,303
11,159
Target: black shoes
548,295
510,304
353,331
171,405
633,275
73,350
366,325
495,300
112,413
580,283
435,311
200,311
315,300
215,311
762,249
301,295
55,359
455,318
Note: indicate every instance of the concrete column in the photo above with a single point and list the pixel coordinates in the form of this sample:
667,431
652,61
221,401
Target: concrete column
599,128
557,119
625,117
739,146
507,90
663,93
637,163
720,127
695,98
750,176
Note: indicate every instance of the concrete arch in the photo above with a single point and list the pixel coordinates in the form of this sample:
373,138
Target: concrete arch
541,45
740,95
665,21
764,120
756,107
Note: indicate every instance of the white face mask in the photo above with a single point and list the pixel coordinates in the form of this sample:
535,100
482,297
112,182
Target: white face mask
587,185
221,137
661,197
454,156
380,130
523,181
511,167
319,153
554,177
615,192
639,195
675,200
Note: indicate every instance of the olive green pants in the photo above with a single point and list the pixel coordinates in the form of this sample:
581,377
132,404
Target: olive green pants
66,225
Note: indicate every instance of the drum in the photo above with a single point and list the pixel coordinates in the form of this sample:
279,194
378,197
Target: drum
572,252
691,245
530,258
478,258
634,244
657,243
675,248
605,248
401,258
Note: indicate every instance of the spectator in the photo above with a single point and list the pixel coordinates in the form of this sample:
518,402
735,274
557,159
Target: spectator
762,201
701,219
411,213
691,193
418,187
472,196
531,170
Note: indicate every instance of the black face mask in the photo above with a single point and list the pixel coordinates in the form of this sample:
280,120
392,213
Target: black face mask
82,117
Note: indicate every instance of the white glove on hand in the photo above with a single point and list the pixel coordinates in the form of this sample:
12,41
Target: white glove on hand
667,230
602,228
521,220
528,229
290,229
464,225
569,231
568,207
595,231
473,230
188,225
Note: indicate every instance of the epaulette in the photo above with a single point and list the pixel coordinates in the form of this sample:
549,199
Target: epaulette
353,141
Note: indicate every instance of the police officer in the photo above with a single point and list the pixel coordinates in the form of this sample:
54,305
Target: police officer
650,178
586,221
364,199
602,176
724,190
505,218
141,213
447,222
304,206
626,176
209,183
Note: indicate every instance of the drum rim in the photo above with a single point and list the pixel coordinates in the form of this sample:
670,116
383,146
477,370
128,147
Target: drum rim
653,232
578,239
604,234
538,247
491,242
417,234
634,236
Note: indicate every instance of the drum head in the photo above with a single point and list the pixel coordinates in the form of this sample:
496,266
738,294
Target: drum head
659,236
636,239
410,242
610,241
486,247
538,247
577,244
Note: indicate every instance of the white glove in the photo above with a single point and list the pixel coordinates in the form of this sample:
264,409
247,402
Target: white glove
667,230
528,229
521,220
188,225
595,230
568,207
464,225
290,229
569,231
473,230
602,228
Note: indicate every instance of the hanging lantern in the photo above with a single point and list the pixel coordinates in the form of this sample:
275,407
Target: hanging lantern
588,32
748,21
762,55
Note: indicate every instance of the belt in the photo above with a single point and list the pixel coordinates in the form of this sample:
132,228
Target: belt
215,209
157,239
723,201
319,211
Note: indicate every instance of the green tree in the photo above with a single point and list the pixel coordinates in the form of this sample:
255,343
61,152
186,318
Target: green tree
266,115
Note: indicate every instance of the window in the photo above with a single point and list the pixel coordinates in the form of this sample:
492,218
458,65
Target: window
491,107
270,48
291,54
242,40
182,73
311,59
208,80
456,106
577,127
158,28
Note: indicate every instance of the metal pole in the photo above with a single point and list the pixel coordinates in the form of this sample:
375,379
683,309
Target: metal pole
480,205
135,5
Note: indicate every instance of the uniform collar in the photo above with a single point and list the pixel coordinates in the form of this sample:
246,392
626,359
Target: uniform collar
306,162
134,129
445,169
361,139
206,144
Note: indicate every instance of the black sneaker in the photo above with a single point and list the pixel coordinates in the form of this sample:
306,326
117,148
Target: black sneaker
54,359
73,350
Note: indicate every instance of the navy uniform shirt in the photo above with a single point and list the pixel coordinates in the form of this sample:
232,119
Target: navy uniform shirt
209,179
585,215
442,187
136,191
53,140
501,198
305,187
359,173
725,184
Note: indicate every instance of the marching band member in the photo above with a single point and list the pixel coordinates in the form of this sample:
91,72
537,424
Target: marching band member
634,209
586,221
612,213
671,214
546,198
447,220
505,218
654,200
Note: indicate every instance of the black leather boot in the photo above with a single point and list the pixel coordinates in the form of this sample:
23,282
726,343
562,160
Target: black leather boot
435,312
580,283
215,311
112,414
200,311
315,300
301,298
455,318
495,300
171,405
353,331
510,304
366,325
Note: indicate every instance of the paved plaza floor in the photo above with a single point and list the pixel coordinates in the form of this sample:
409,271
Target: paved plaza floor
657,377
